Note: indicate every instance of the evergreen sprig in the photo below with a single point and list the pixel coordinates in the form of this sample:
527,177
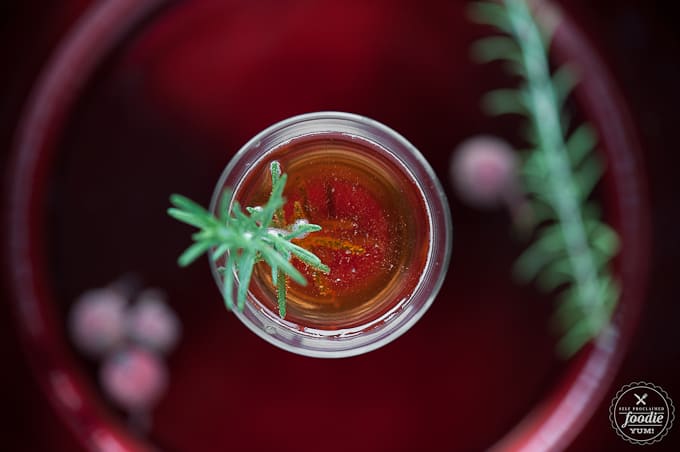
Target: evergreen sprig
572,247
246,239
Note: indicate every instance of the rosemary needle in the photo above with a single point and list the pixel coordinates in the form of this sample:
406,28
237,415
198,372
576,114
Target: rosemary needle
243,239
573,246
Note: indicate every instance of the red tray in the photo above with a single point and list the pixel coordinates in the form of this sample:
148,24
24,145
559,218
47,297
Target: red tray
142,99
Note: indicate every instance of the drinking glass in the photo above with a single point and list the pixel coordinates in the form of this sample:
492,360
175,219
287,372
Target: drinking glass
385,168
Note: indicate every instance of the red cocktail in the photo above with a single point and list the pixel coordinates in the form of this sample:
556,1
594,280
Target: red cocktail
129,111
386,232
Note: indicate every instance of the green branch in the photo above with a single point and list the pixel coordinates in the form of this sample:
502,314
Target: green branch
573,246
246,239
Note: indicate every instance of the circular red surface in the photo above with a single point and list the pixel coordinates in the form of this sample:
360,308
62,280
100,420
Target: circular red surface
109,134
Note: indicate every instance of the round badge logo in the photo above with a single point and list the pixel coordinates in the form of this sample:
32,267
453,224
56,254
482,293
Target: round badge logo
641,413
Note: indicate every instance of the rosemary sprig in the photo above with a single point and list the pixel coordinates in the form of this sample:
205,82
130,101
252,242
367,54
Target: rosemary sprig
573,246
246,239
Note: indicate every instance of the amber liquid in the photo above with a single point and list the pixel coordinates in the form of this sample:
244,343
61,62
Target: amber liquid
375,235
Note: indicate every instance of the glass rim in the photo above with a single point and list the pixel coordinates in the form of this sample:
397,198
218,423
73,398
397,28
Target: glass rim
387,327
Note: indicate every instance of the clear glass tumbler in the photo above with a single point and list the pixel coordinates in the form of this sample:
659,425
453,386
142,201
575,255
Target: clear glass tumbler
386,232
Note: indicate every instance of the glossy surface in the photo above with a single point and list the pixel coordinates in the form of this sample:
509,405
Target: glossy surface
478,306
374,237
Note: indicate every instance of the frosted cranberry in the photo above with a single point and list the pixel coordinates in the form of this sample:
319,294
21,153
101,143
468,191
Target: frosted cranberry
484,171
134,378
97,321
152,323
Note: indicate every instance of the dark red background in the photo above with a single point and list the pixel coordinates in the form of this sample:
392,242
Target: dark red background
641,43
